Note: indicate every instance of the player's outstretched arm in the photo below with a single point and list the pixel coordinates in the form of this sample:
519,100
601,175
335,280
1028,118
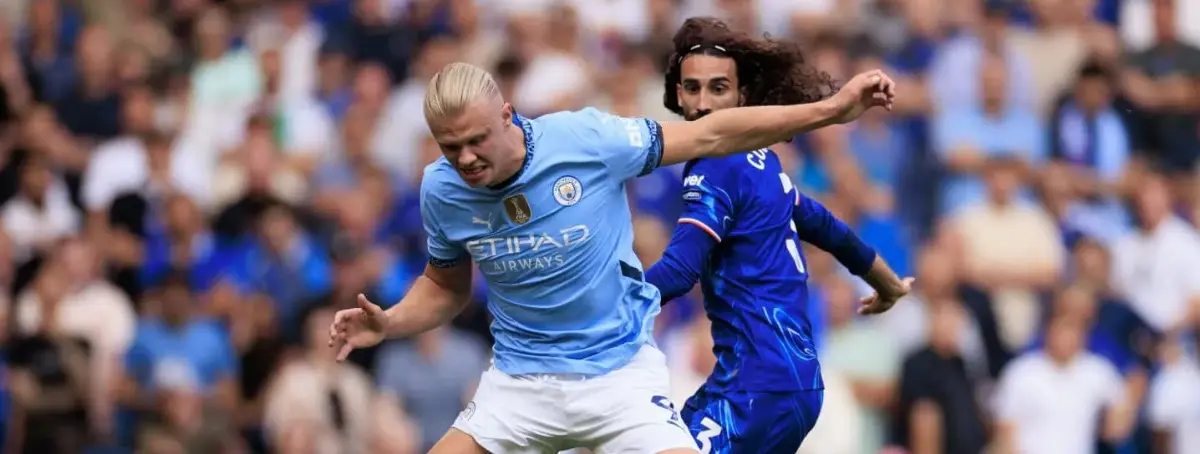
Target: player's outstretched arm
435,298
817,226
742,129
438,296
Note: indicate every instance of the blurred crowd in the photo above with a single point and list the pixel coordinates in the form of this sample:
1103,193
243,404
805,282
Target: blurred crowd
190,188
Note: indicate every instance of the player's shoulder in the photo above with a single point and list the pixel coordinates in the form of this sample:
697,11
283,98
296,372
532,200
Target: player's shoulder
438,178
587,116
590,123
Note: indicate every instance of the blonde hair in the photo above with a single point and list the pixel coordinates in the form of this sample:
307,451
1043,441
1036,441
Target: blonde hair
455,87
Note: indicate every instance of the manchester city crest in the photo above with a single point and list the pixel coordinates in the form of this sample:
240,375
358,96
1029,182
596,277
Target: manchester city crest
567,191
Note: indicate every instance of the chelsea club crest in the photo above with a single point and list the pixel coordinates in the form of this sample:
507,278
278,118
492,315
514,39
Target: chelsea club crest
568,191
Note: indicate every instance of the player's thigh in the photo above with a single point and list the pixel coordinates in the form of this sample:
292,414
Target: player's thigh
507,415
628,411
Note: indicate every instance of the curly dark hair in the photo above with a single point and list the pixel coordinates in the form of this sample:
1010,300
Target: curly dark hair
770,71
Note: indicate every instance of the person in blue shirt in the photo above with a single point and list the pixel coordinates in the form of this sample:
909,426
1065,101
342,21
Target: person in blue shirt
739,236
540,207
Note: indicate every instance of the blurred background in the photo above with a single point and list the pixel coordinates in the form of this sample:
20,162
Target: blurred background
190,188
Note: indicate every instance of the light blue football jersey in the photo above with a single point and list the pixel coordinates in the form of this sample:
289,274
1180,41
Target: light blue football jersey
555,243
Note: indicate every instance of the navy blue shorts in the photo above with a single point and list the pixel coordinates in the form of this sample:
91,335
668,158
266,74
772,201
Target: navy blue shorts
751,423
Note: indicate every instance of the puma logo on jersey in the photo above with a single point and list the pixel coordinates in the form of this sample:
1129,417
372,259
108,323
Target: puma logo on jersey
487,222
693,180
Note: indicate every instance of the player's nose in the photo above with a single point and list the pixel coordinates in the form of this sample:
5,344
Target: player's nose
467,157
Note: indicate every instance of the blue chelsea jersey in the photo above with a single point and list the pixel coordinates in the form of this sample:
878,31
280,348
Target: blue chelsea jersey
555,243
755,280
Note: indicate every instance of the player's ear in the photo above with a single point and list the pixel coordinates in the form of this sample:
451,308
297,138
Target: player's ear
507,113
743,94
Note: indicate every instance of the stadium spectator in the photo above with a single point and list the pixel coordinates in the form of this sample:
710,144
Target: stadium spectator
869,368
986,37
1174,401
937,410
225,79
1012,267
1163,90
1089,144
907,325
180,377
299,126
41,212
331,406
1153,267
369,35
1054,47
172,127
839,429
967,136
46,52
49,375
285,263
396,138
84,307
433,394
1052,402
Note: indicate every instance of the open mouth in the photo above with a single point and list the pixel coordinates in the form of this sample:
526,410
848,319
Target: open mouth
472,172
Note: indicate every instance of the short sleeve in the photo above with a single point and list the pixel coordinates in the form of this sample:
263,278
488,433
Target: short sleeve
629,147
708,197
443,253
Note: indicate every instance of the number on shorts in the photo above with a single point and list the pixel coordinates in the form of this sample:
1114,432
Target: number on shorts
666,404
711,430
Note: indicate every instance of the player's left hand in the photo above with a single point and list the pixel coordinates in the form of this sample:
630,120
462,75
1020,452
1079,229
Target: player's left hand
861,93
876,304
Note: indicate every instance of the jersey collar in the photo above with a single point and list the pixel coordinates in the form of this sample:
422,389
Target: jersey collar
526,126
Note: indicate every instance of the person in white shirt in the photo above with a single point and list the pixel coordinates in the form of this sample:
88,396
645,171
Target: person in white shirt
1157,268
41,212
1174,404
1050,401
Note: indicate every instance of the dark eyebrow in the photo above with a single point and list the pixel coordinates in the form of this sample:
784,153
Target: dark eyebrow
465,141
698,80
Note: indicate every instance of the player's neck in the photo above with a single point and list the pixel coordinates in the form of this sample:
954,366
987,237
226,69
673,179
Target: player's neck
514,141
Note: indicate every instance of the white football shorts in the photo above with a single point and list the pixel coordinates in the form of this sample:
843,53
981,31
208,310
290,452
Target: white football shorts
623,411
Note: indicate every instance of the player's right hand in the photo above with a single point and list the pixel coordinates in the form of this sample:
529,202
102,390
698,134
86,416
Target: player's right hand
864,91
876,303
360,327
